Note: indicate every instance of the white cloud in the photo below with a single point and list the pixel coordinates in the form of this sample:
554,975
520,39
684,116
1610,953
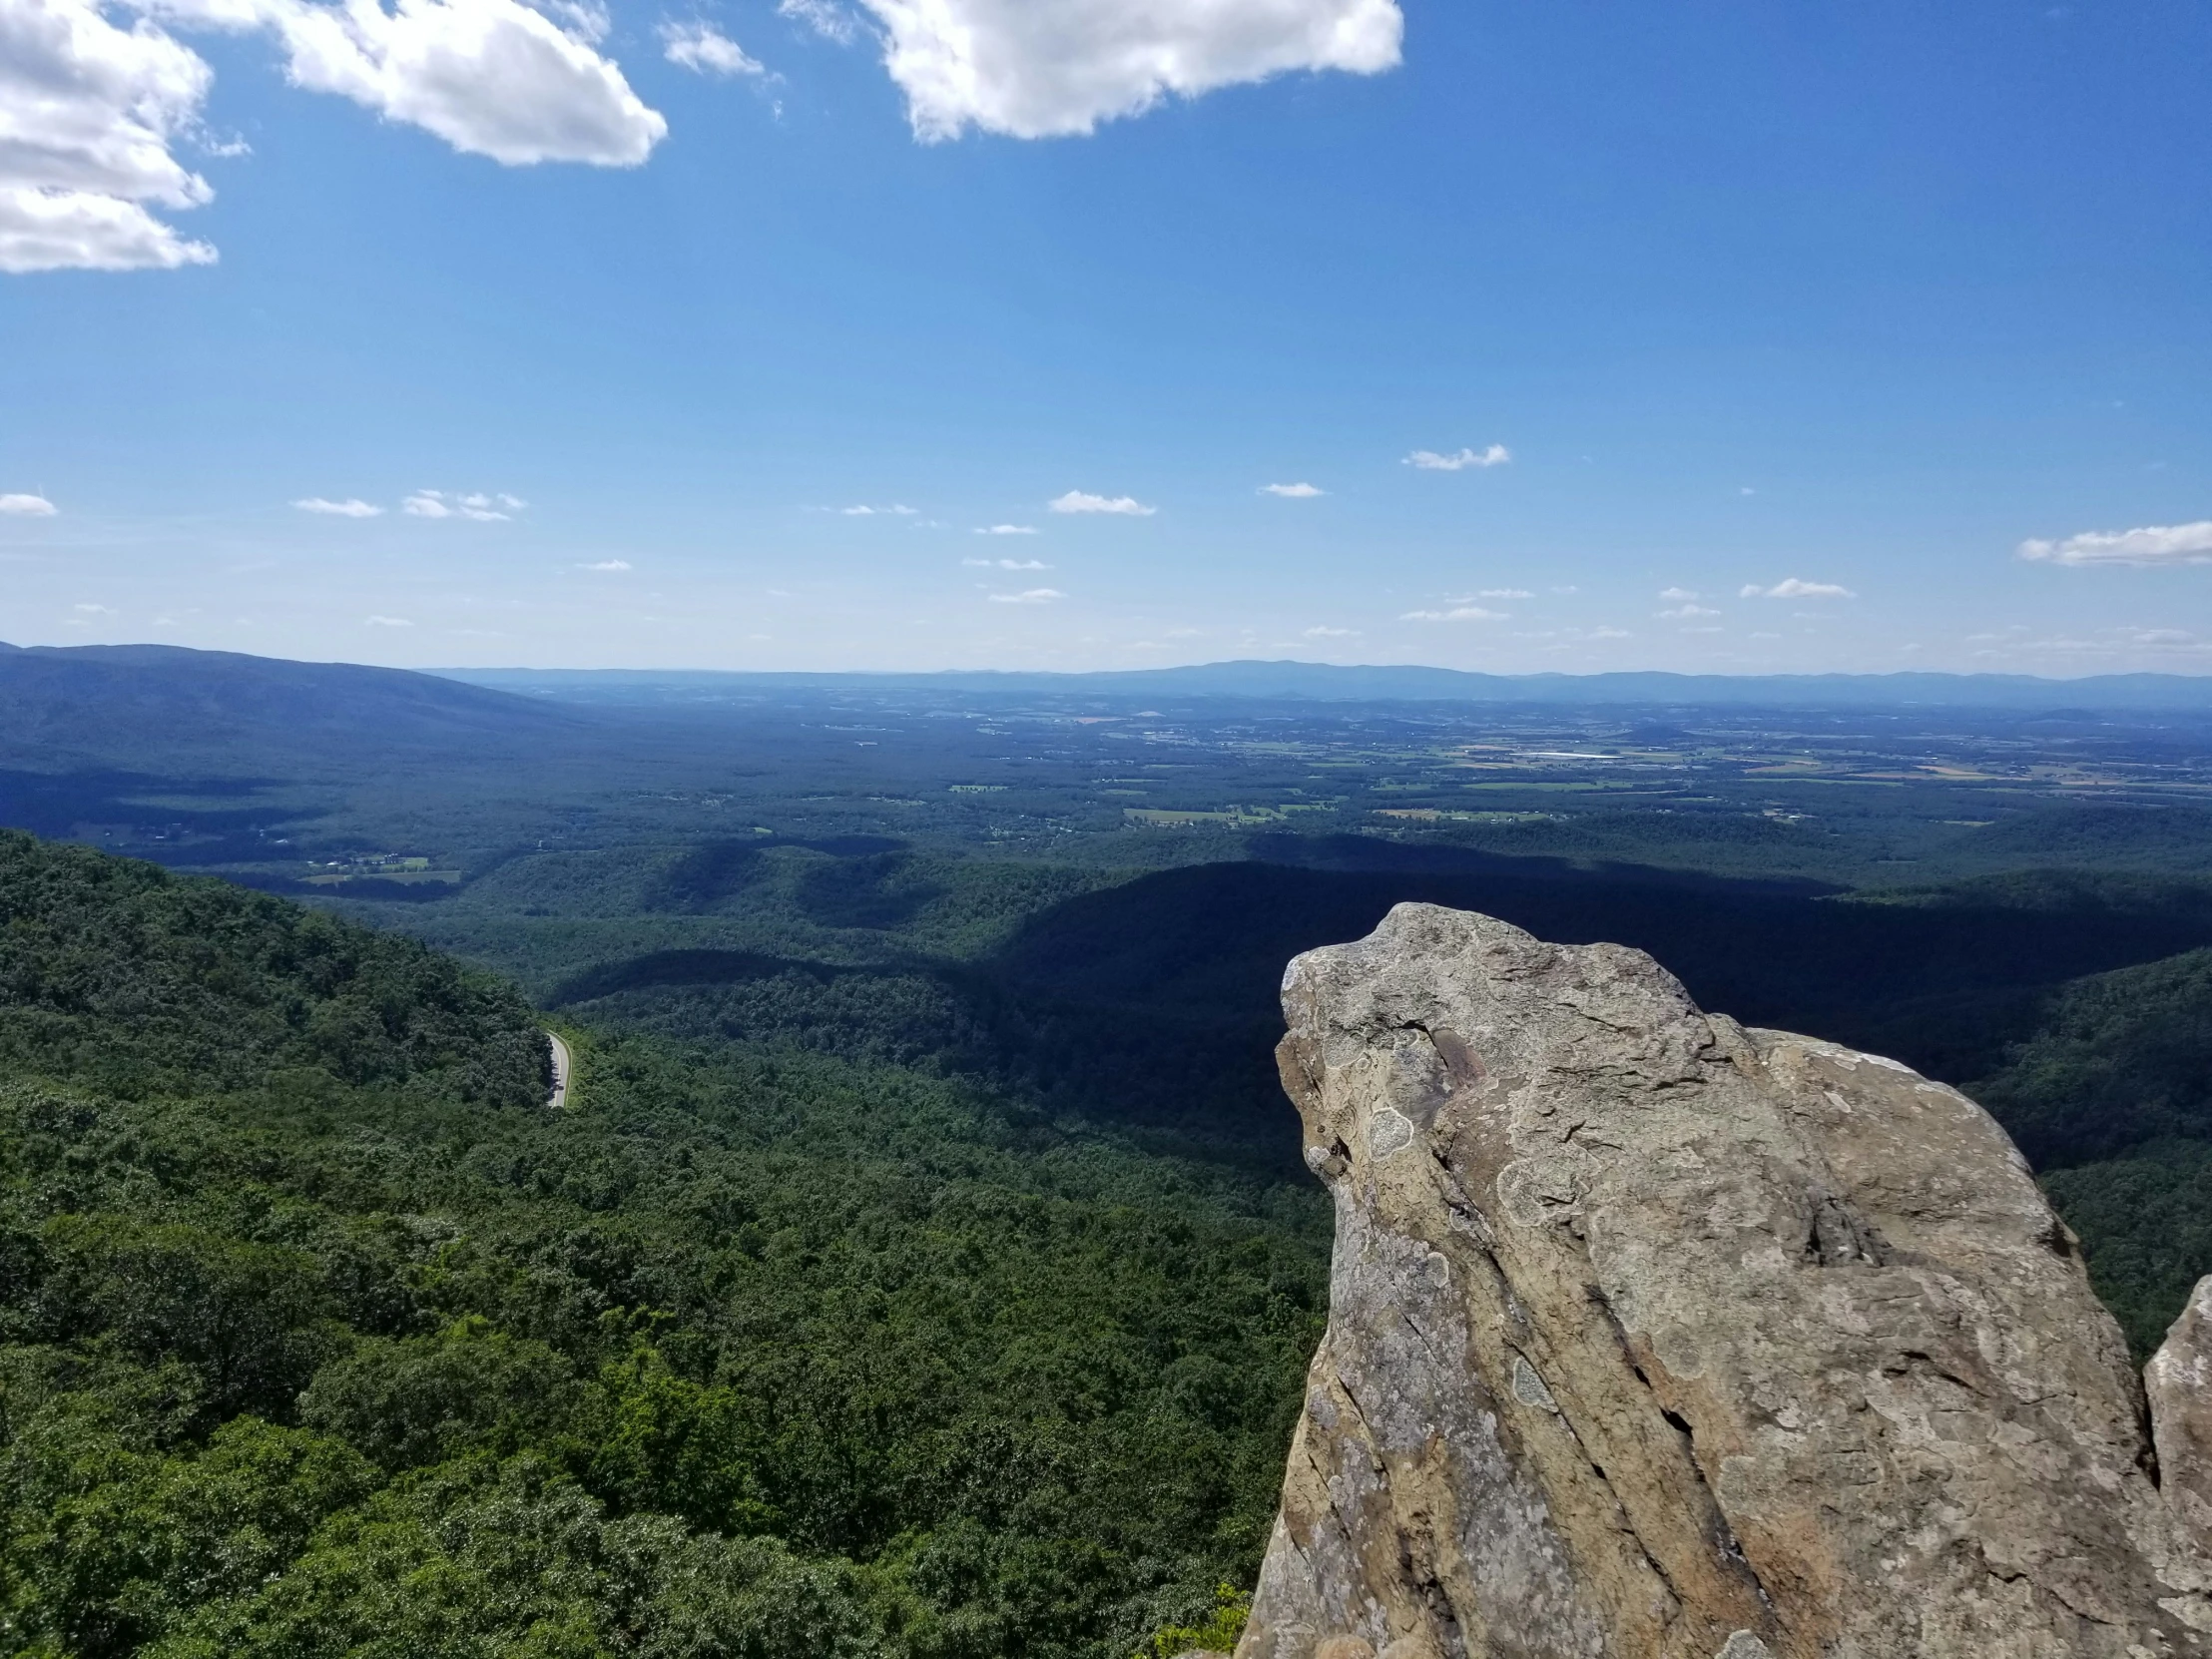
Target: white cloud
607,564
1079,501
485,509
1609,634
895,510
348,508
91,113
1031,596
1428,460
700,47
1007,564
1684,612
387,622
27,506
1793,588
490,77
1006,529
95,610
1680,596
2153,544
1503,593
831,21
1047,67
1458,613
88,115
74,229
1292,492
1326,633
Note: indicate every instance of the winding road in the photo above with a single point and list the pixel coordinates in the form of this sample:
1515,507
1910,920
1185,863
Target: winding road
564,1064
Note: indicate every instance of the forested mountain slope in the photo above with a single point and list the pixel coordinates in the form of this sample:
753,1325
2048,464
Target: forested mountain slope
320,1335
132,703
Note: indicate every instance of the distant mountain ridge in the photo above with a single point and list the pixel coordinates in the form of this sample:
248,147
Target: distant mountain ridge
1329,682
108,699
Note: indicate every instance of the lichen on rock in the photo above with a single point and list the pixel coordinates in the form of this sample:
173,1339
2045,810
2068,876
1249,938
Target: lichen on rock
1655,1338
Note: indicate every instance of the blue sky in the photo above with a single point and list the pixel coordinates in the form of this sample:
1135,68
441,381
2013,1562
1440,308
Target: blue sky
1764,337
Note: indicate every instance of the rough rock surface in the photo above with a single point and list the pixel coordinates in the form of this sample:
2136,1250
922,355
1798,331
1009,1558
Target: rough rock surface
1651,1335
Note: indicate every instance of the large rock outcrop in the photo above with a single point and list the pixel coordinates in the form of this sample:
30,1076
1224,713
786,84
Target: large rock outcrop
1655,1338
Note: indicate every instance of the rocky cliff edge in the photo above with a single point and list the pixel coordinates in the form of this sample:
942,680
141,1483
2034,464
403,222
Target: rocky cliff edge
1655,1338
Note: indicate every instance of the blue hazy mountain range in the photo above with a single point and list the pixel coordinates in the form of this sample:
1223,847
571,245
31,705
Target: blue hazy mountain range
1323,682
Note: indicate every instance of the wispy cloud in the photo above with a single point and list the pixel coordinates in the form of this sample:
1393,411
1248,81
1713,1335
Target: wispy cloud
1498,593
1679,596
1793,588
1457,613
1005,529
700,47
1007,564
1292,492
2152,544
387,622
476,505
826,19
1430,460
27,506
1029,596
1682,613
93,610
1326,633
1081,501
607,564
350,507
895,510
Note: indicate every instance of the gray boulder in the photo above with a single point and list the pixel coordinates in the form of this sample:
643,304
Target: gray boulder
1653,1335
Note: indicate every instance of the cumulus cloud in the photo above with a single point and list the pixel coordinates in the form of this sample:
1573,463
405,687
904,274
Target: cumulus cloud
1428,460
1029,596
702,47
93,113
490,77
1792,588
88,113
1006,529
2152,544
1292,492
1081,501
1457,613
348,508
485,509
1048,68
1678,595
1685,612
27,506
607,564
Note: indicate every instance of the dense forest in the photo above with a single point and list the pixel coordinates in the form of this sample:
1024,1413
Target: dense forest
921,1268
320,1333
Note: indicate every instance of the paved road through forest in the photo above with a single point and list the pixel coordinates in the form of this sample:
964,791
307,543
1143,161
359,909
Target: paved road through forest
564,1064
